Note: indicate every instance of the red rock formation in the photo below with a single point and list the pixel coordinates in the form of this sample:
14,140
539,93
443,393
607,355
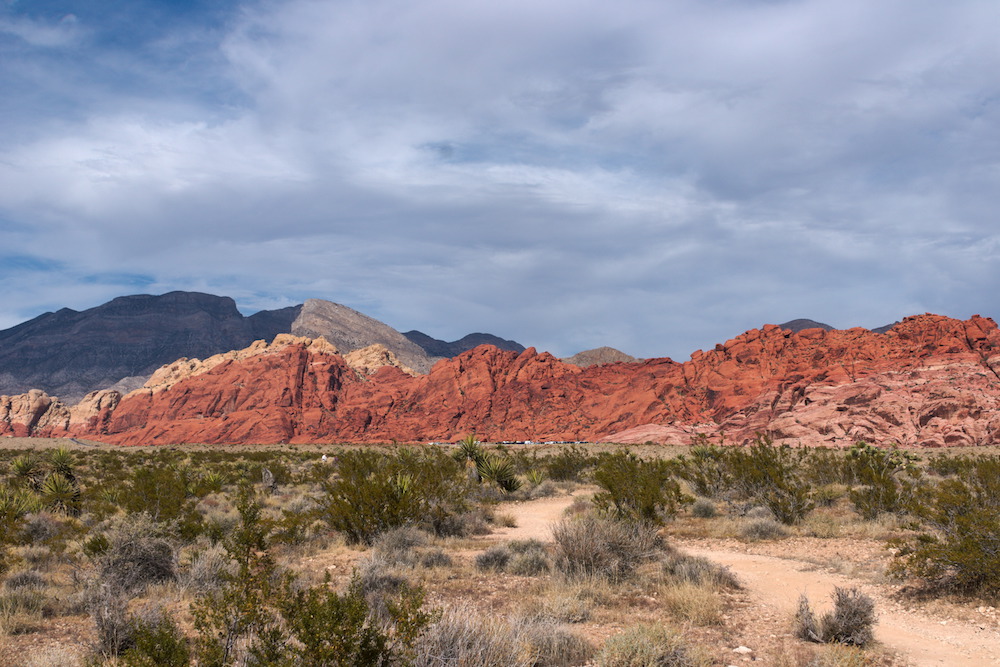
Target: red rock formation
929,381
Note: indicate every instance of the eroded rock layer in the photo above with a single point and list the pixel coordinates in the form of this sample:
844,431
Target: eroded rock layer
929,381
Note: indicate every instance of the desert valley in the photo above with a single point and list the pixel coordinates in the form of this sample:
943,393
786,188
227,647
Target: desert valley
185,485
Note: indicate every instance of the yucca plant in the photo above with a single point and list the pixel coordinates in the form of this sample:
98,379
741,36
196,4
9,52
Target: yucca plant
63,462
535,476
15,503
26,471
60,494
499,471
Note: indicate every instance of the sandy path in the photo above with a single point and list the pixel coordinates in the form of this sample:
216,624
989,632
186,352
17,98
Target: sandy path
777,583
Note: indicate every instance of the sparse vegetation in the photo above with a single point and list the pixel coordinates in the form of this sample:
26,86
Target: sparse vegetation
183,556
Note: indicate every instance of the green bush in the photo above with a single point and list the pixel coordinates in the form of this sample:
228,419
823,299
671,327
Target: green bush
374,492
156,641
637,490
960,550
705,468
772,476
569,464
887,478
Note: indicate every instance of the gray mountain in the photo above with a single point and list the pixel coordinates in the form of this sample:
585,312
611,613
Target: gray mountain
69,353
599,355
802,324
350,330
439,348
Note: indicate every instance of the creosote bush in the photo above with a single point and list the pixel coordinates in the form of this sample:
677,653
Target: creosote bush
637,490
373,492
960,548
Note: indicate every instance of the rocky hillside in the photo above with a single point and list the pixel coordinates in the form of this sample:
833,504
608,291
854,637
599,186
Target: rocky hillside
929,381
70,353
119,344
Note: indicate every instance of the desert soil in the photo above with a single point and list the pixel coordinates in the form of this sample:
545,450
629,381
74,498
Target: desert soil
919,635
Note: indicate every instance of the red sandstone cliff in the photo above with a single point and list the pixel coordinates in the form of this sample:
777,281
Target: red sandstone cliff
929,381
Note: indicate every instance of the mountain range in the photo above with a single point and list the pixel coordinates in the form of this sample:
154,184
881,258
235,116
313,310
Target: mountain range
926,381
121,343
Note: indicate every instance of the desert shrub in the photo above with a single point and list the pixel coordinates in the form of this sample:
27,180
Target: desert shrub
229,618
24,579
593,546
435,558
528,558
163,492
827,466
205,571
21,608
109,610
764,528
569,464
851,622
335,629
828,495
464,637
156,641
887,477
637,490
471,522
495,558
398,545
374,492
705,468
960,548
646,646
555,646
703,508
698,570
771,476
133,555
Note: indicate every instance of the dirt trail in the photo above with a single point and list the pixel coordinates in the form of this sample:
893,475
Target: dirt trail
777,583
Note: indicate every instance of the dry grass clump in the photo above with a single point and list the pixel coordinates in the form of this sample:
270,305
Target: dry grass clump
699,571
21,608
398,546
695,603
764,528
463,637
554,645
524,558
703,508
204,572
592,546
646,646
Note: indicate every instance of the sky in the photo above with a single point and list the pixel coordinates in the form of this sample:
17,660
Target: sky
653,175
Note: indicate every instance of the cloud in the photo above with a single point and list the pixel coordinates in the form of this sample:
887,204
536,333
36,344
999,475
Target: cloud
653,176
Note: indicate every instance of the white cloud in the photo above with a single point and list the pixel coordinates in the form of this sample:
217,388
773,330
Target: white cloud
655,176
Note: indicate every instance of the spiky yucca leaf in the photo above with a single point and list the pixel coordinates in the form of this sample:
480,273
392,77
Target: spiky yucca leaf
60,494
500,471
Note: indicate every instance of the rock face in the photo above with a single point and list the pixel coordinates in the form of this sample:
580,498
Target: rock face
930,381
439,348
72,353
599,355
350,330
